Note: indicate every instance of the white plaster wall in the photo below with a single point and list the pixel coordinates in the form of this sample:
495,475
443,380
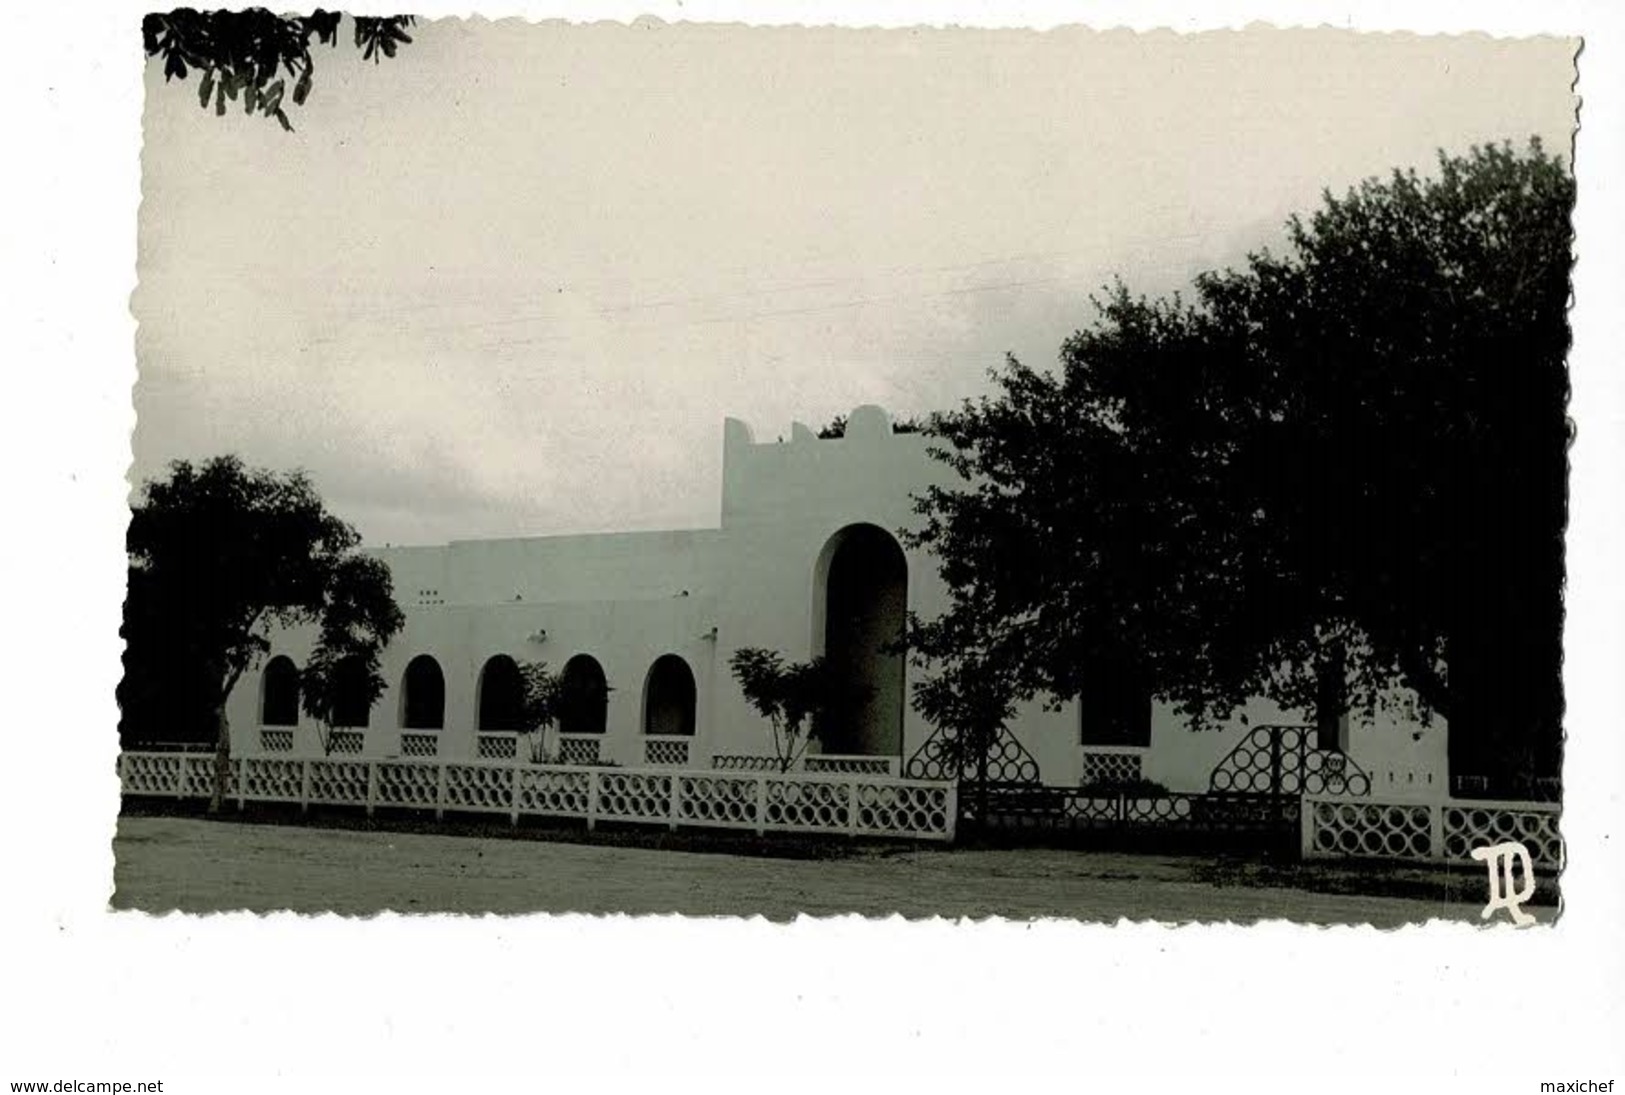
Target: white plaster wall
782,503
624,636
628,598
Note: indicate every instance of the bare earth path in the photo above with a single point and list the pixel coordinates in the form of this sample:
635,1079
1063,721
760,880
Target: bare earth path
166,863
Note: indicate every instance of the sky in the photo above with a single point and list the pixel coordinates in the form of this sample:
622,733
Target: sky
512,281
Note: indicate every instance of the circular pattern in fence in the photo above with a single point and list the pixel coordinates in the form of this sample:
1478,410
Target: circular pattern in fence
145,774
628,795
720,800
941,758
902,810
807,805
738,762
478,787
1363,829
338,782
272,780
1161,810
551,792
407,784
1279,760
851,766
1469,827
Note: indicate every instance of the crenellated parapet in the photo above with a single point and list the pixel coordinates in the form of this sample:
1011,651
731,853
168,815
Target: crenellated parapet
869,472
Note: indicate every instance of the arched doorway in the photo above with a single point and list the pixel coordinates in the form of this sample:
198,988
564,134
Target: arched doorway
862,590
423,695
669,696
279,693
501,695
585,699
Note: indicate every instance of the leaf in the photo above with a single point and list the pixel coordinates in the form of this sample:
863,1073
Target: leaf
174,67
301,89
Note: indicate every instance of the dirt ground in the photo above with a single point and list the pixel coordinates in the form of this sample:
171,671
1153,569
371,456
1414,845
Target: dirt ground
193,865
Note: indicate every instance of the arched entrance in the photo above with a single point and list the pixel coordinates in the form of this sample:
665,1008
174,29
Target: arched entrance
669,697
861,593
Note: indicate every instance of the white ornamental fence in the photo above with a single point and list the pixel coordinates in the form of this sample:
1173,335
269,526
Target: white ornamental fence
1428,832
852,805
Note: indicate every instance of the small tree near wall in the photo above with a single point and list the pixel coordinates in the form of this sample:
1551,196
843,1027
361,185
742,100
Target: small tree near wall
542,701
800,700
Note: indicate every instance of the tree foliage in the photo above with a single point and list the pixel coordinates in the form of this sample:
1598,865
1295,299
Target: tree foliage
1354,450
800,700
220,554
250,56
837,426
970,701
544,699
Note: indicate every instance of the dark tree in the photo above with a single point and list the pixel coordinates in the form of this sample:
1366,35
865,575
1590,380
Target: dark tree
1353,454
219,555
250,56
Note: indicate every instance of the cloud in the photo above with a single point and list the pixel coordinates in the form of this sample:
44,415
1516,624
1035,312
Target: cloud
526,304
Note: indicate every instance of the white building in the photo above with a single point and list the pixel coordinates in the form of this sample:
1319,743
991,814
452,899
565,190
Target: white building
804,562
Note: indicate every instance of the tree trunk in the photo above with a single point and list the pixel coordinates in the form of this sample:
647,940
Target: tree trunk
222,757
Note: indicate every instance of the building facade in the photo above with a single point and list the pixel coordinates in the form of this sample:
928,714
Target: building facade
805,561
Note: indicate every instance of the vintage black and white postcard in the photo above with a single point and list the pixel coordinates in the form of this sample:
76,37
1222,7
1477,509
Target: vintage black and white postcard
1090,474
676,465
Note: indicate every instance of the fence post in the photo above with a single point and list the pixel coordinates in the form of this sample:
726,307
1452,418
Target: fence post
440,791
1275,781
674,803
851,807
242,781
761,804
1436,830
180,776
513,769
372,786
950,808
592,798
1306,827
304,786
